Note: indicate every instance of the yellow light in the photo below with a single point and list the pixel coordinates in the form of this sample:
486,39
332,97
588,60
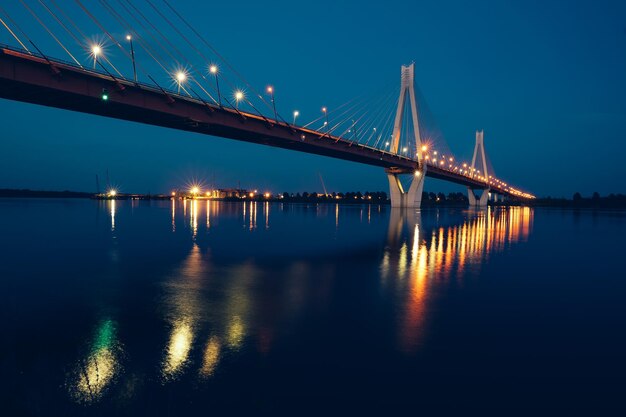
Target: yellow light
173,193
251,194
404,149
266,195
238,95
270,89
213,69
435,153
324,109
128,37
181,76
424,148
96,50
195,190
417,173
112,193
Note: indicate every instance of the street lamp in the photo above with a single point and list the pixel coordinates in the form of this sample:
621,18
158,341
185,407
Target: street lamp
325,111
95,51
132,56
213,70
238,97
295,116
270,91
181,77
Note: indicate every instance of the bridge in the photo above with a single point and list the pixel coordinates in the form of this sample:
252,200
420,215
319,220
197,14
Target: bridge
33,77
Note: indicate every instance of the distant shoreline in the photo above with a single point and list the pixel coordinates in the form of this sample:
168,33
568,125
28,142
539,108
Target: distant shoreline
613,201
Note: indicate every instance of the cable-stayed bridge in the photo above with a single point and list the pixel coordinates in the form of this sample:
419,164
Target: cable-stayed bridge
388,136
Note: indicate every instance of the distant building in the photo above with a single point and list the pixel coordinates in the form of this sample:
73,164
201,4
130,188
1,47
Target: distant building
227,193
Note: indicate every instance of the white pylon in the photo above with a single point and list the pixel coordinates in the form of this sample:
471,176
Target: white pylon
413,197
407,76
479,152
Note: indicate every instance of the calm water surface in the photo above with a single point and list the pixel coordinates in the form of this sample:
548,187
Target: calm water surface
196,307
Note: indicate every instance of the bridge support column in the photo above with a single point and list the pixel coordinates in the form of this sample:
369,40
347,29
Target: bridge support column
478,201
409,199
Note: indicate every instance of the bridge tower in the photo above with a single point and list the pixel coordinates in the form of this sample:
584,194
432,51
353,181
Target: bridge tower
412,197
479,153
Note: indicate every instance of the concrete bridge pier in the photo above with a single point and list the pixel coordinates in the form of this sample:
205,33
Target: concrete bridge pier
411,198
475,201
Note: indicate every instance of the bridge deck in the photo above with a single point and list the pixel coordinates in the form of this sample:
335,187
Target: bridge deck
37,80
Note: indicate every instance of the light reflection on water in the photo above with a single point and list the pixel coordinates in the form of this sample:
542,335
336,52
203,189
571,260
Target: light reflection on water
232,280
442,254
93,373
414,255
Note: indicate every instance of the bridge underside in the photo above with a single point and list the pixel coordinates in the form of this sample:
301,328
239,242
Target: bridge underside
34,80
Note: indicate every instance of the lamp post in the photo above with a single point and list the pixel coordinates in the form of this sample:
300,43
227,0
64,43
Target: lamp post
180,78
213,70
132,56
238,98
95,51
270,91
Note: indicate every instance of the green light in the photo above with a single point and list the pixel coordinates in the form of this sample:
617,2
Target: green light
105,97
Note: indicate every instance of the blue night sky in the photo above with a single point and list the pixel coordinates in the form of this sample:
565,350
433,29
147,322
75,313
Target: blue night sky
544,79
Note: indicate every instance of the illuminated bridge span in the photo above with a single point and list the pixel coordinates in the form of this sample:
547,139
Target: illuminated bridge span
29,75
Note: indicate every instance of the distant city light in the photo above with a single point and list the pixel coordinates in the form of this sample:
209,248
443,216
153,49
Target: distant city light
112,192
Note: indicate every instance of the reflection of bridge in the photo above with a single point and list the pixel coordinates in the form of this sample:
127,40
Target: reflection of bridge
418,258
33,77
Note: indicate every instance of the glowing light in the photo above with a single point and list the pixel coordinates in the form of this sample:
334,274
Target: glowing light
112,193
404,149
213,69
323,109
181,76
195,190
96,50
128,37
386,143
238,95
296,113
267,195
424,148
173,193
